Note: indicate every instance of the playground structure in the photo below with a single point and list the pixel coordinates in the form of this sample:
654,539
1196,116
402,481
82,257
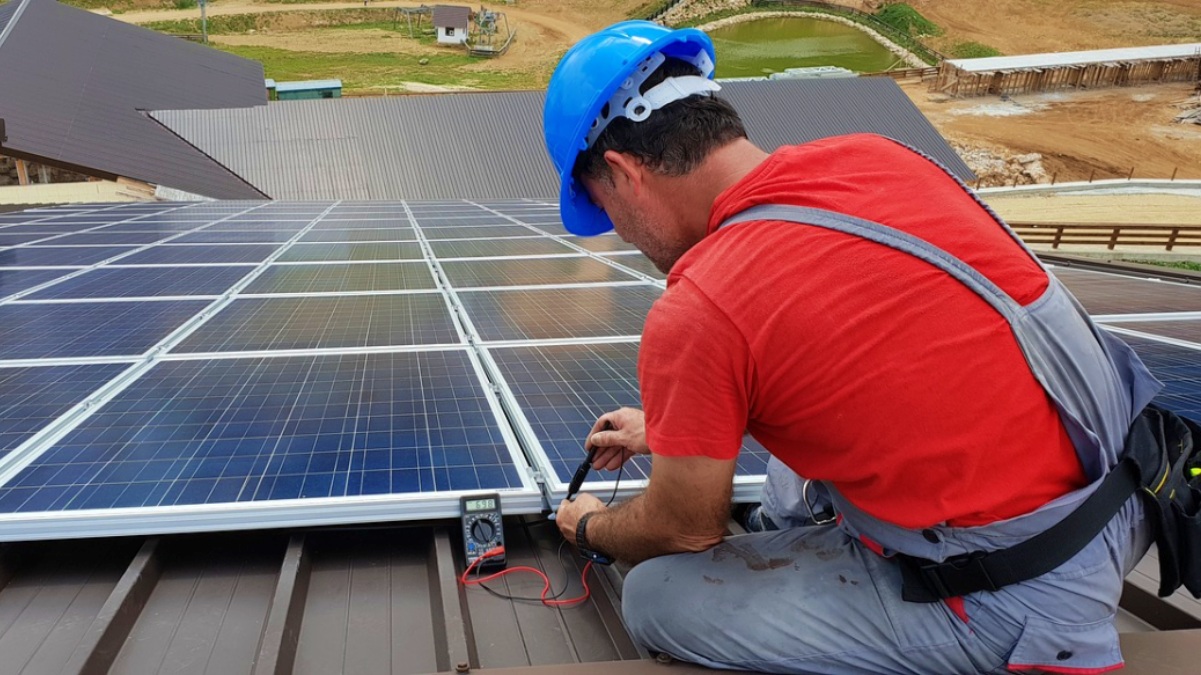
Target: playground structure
490,27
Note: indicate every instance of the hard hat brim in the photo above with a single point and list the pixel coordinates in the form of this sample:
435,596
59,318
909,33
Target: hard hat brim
579,215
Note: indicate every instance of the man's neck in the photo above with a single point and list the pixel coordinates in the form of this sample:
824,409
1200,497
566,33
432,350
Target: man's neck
721,169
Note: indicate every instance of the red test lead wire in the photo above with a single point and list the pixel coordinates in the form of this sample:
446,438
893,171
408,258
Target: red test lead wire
522,568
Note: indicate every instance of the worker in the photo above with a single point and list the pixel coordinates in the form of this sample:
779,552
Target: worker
931,397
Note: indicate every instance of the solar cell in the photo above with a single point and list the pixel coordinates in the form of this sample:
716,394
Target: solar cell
360,235
15,281
325,322
489,232
196,254
31,398
1102,293
225,431
600,243
401,223
134,282
236,237
14,238
339,252
523,271
638,262
39,330
562,389
103,237
329,278
532,314
482,248
47,256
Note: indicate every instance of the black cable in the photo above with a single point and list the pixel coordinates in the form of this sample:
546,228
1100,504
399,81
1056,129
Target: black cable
558,554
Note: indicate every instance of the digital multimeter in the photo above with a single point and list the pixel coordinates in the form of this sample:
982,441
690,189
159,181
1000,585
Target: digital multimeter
482,529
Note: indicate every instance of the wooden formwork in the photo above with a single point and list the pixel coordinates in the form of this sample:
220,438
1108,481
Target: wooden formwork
957,82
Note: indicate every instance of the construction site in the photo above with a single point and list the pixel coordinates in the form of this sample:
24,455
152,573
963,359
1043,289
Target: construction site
291,325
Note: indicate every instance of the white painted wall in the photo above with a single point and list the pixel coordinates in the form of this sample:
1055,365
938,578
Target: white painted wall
458,38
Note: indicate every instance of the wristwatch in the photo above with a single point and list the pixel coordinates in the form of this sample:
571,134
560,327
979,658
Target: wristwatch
581,541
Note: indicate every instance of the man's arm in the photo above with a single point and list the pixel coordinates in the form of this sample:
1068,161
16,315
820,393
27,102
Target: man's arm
685,508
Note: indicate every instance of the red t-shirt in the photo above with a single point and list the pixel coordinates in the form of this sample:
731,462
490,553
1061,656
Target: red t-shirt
852,362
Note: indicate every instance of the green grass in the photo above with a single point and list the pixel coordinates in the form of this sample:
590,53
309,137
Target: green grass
972,50
369,71
236,24
908,20
1176,264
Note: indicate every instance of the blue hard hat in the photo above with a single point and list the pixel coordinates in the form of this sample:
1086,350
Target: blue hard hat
619,57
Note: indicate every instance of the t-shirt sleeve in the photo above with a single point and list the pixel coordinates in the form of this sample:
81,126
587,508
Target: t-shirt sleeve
694,370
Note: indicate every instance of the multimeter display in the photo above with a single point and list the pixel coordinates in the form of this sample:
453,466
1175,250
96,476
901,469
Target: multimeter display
482,529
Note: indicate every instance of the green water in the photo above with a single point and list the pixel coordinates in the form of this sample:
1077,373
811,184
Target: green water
765,46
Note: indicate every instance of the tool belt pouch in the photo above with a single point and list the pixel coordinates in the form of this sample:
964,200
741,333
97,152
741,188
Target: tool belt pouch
1164,446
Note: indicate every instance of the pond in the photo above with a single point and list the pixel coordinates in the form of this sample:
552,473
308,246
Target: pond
765,46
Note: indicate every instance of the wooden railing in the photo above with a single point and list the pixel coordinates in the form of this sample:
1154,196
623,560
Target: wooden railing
1109,235
907,73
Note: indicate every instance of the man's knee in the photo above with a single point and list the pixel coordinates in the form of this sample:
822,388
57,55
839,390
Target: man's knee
644,599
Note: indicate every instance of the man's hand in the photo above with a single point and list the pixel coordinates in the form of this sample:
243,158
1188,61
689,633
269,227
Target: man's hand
570,513
617,436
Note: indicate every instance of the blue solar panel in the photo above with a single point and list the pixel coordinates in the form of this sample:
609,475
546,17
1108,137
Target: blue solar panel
15,281
360,235
1181,330
38,330
639,262
48,256
235,237
197,254
1179,368
325,322
239,430
556,313
101,237
31,398
489,232
601,244
562,389
12,238
1102,293
394,276
531,271
133,282
340,252
483,248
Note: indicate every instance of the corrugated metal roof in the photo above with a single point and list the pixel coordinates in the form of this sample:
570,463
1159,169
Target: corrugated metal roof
6,14
490,145
74,84
455,16
1157,52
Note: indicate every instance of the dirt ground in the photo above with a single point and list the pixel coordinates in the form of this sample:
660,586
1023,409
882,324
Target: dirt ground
1103,133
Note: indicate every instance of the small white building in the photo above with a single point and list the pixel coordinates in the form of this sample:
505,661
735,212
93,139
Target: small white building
452,22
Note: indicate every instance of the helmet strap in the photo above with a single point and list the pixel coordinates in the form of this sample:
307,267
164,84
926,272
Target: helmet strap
630,103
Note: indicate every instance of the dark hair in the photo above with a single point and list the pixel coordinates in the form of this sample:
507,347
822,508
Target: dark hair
675,139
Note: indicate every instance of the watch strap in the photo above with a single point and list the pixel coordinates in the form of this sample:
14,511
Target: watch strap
581,531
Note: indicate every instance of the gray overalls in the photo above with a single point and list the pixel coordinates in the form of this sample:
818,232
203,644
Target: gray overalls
813,599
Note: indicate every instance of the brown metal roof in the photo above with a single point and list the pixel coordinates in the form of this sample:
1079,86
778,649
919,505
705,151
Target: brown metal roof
371,601
74,84
455,16
490,145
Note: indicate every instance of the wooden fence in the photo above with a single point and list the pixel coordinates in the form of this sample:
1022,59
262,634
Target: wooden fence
958,82
1109,235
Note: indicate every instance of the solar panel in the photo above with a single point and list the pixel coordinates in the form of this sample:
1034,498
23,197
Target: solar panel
48,256
562,389
557,313
239,431
133,282
483,248
14,281
638,262
360,235
1189,331
101,237
42,330
236,237
524,271
1102,293
12,238
343,278
249,324
195,254
299,252
32,397
602,243
494,231
1179,368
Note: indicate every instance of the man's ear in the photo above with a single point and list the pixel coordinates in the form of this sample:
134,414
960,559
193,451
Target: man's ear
625,170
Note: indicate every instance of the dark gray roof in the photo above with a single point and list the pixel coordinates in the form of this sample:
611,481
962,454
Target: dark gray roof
6,14
490,145
451,15
74,84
